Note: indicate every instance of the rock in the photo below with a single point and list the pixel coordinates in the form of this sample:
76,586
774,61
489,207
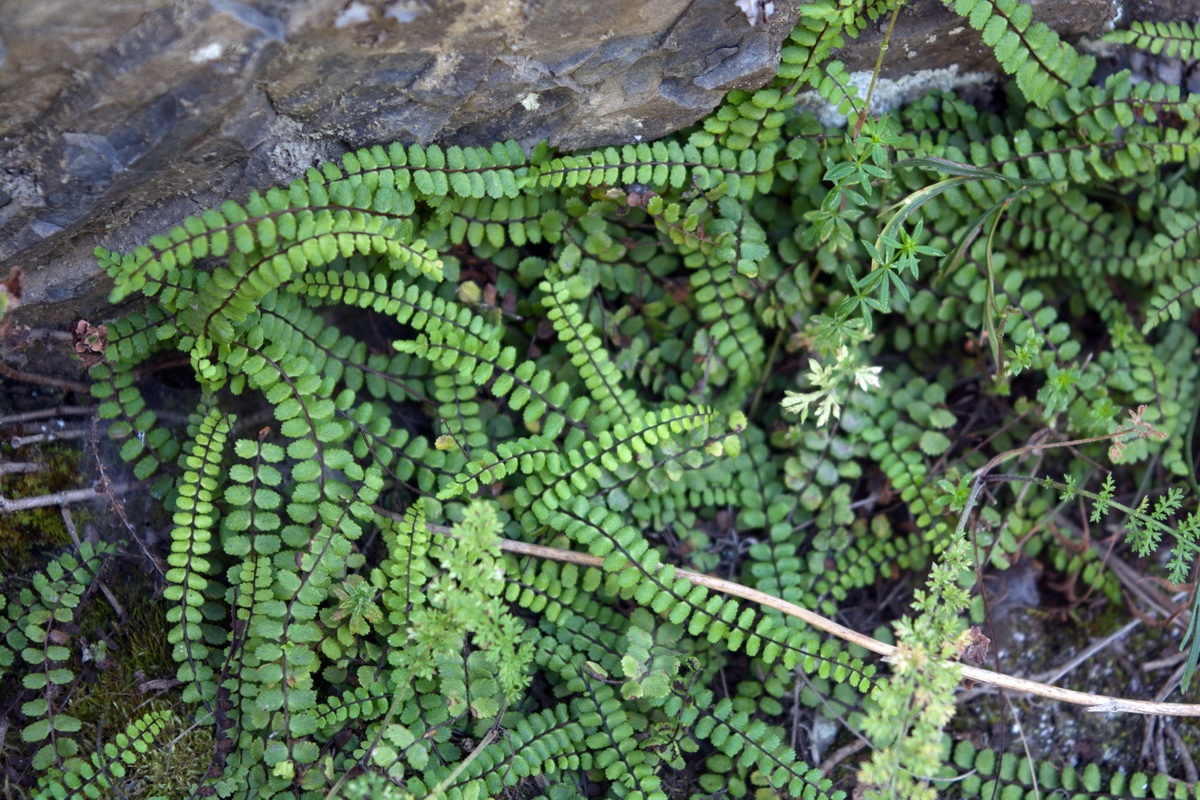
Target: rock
140,112
144,111
934,48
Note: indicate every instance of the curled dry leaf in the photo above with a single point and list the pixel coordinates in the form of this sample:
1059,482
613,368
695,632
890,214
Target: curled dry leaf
975,651
89,341
10,297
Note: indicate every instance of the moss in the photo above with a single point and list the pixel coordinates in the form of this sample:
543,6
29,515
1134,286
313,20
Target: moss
25,536
135,651
173,768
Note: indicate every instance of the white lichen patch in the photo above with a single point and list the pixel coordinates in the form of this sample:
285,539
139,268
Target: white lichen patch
405,10
355,13
531,102
294,151
210,52
891,93
756,10
22,186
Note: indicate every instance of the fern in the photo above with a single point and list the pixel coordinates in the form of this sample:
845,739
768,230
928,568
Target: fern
40,635
101,774
467,355
1174,39
1043,65
998,775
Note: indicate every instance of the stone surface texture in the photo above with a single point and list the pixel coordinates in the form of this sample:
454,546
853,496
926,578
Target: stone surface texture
930,36
121,117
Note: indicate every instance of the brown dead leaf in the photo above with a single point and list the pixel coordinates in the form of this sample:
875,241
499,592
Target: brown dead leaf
90,341
10,287
975,652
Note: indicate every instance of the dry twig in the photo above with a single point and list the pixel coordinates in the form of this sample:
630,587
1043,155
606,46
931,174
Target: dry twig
48,436
47,413
96,492
1091,702
69,521
44,380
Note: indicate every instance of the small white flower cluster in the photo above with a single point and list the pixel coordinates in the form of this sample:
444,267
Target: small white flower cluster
827,380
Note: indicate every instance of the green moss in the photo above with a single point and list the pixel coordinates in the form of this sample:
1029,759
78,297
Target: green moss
172,769
26,535
135,651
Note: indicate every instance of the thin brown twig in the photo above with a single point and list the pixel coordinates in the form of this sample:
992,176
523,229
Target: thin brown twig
105,485
69,521
1092,702
1163,663
44,380
47,413
96,492
840,755
1037,792
1160,750
1138,587
1189,766
1154,725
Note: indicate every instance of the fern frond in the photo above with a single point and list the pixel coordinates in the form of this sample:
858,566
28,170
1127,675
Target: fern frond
993,774
433,171
50,607
153,447
1171,298
740,739
1171,38
599,374
1044,65
106,769
191,564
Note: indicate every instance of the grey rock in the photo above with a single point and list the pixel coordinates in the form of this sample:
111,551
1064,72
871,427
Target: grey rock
121,117
740,65
930,36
